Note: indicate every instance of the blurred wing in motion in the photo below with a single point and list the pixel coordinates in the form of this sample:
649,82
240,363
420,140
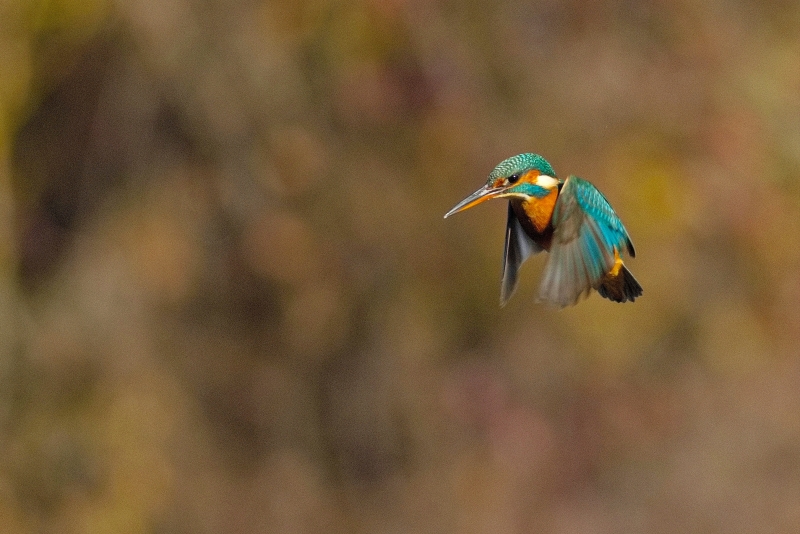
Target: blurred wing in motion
518,248
587,234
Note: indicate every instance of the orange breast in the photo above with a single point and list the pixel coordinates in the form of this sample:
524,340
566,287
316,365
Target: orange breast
540,210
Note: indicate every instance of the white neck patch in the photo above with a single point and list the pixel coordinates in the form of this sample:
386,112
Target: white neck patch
548,182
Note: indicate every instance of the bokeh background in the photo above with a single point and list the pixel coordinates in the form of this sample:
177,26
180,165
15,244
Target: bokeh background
229,302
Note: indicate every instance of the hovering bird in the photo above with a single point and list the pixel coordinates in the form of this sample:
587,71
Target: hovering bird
571,220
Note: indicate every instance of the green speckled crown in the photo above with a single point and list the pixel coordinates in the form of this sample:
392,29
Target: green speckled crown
519,164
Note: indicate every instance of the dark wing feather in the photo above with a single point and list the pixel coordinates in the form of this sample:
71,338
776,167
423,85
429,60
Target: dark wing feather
586,233
518,248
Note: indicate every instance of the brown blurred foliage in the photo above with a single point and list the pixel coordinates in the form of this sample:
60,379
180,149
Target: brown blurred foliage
229,301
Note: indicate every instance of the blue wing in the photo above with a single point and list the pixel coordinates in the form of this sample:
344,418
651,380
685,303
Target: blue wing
519,247
586,235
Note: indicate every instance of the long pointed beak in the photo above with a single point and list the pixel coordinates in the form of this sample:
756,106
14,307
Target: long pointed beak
482,194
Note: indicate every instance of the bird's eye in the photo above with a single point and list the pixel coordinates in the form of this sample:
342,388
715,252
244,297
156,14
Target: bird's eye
514,178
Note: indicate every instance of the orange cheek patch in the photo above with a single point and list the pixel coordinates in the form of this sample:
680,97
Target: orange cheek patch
529,176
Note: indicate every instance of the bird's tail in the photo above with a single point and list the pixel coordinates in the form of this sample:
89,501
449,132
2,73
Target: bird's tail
619,285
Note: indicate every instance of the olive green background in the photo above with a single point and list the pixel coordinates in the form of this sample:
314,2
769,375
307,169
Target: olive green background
229,302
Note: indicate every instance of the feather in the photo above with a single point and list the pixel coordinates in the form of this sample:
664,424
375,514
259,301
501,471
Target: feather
586,235
518,247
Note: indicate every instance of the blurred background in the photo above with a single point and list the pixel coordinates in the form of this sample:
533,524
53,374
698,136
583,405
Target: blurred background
229,302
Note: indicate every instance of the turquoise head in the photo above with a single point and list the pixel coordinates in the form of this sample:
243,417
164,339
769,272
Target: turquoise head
522,176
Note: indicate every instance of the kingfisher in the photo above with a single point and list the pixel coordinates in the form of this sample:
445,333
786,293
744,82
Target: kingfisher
571,220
